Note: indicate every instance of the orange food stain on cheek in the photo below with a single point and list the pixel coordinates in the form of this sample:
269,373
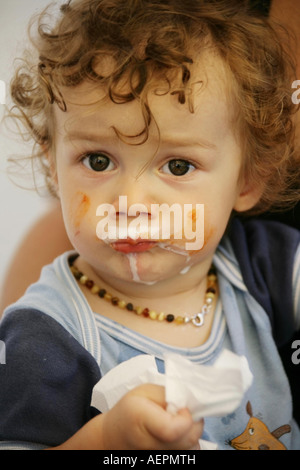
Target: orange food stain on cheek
208,230
208,233
194,219
81,209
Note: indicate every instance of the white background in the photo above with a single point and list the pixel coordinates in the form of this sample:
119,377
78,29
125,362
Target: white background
19,208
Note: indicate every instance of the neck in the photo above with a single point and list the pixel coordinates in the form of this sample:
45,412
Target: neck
181,292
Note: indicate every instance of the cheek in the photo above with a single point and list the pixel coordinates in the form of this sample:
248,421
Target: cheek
207,227
82,209
76,212
200,222
198,231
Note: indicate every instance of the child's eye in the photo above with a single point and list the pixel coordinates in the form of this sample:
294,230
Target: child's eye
178,167
97,162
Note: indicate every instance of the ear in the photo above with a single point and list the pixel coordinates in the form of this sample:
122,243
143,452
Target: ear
248,196
249,408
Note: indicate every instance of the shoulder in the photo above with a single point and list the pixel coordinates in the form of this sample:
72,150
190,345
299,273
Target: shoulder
266,244
58,296
51,361
263,232
51,294
268,253
48,378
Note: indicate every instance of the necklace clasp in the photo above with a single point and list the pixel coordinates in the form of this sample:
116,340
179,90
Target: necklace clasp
198,319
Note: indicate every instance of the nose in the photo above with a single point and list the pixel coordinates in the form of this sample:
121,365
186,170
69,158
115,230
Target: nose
134,196
133,200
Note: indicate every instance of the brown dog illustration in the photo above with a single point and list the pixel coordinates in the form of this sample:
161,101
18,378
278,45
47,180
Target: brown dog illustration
257,436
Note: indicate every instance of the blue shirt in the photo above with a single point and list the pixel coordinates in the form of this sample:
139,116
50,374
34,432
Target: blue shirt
57,349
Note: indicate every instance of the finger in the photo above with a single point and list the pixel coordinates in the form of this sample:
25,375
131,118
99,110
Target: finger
168,431
190,440
155,393
174,431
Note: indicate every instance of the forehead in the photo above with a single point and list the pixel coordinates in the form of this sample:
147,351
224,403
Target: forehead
209,92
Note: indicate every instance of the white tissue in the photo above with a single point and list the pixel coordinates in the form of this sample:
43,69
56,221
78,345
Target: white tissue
123,378
205,390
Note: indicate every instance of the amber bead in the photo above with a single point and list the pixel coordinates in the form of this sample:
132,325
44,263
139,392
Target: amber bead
72,258
83,279
170,318
95,289
153,314
209,295
211,290
78,274
89,284
146,312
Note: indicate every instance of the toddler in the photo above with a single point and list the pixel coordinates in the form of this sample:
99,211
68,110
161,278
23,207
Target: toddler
145,113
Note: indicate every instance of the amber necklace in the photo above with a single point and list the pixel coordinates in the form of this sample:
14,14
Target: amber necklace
197,319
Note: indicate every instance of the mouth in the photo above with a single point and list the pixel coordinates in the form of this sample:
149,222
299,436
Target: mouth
133,246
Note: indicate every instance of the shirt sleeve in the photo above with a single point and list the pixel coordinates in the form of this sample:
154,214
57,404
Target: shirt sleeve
46,382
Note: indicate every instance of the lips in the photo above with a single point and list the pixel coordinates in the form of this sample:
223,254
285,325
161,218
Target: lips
133,246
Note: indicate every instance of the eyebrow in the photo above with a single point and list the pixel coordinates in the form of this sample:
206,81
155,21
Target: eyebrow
77,135
185,141
177,141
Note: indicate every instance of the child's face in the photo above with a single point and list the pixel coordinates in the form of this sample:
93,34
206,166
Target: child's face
208,156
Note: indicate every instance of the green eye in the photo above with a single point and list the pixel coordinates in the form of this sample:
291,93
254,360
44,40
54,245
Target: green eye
97,162
178,167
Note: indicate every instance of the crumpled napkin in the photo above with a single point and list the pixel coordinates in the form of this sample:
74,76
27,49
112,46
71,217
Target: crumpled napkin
206,390
215,390
123,378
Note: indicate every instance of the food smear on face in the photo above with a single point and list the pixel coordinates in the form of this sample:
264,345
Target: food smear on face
133,265
82,209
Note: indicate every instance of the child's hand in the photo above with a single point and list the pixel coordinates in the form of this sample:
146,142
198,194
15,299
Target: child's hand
140,421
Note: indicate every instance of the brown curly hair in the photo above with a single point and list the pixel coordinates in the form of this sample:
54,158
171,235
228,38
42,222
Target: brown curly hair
155,38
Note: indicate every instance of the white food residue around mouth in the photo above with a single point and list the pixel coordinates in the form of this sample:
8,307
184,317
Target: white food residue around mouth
134,270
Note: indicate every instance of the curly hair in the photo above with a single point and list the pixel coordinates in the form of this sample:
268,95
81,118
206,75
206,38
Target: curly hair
155,38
